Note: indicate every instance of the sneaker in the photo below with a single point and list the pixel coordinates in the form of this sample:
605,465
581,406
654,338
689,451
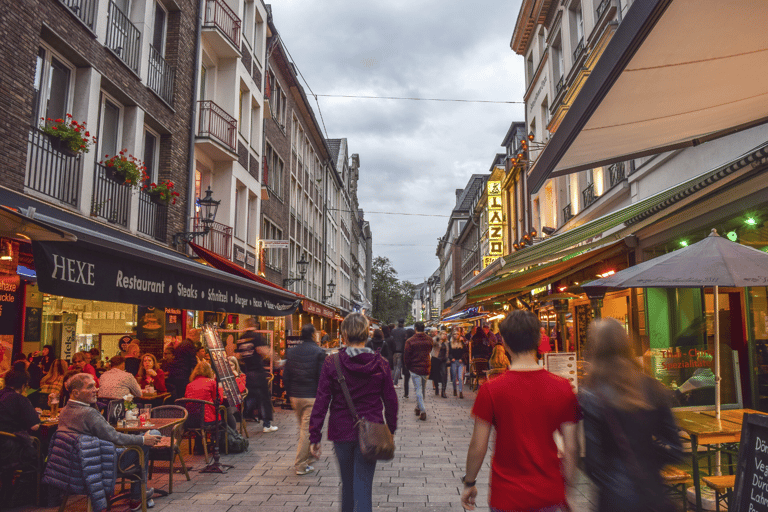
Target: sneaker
417,411
273,428
135,505
397,386
306,471
423,416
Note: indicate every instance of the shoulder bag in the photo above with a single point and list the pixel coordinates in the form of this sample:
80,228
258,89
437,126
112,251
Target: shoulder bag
376,441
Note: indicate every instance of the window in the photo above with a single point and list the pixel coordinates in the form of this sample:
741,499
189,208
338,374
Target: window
151,154
240,112
253,215
272,257
53,84
203,79
258,43
158,30
110,130
274,175
277,101
240,213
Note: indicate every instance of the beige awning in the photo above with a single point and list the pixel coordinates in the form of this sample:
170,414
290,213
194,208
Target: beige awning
676,73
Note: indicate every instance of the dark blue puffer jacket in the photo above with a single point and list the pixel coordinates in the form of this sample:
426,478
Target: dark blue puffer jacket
84,465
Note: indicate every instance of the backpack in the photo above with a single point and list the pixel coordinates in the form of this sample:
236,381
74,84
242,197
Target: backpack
237,443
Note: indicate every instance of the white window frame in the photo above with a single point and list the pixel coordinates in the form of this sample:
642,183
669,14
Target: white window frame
106,97
45,81
164,37
154,170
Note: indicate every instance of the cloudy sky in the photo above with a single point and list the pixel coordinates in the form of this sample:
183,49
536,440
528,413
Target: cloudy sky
413,154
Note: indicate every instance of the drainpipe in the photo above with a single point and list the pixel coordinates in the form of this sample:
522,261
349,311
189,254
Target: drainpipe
193,118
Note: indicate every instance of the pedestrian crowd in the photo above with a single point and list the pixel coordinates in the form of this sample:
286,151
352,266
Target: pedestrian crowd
629,429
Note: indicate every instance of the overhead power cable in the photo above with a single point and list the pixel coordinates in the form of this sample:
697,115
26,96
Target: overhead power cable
355,96
308,87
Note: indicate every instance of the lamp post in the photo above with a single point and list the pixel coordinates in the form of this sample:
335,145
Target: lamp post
208,209
302,264
331,289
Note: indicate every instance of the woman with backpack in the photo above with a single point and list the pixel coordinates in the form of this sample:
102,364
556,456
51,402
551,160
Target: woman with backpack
379,344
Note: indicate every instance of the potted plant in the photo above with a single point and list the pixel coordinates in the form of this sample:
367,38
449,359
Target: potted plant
162,191
67,135
131,414
128,169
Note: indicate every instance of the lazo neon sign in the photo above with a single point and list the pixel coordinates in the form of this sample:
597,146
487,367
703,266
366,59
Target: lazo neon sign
495,223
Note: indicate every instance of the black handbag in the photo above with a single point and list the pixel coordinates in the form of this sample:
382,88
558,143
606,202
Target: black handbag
376,441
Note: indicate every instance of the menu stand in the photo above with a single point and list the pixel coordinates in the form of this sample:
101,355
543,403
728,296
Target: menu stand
216,466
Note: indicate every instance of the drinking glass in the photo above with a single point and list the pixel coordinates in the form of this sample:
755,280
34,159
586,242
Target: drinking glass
147,413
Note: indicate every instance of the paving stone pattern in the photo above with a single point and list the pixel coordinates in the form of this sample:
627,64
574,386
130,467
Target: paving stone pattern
424,475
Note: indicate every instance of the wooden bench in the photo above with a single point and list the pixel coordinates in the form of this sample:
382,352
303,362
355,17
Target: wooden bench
676,480
722,485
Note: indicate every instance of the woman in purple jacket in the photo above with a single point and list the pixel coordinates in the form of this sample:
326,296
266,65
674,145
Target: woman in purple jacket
369,380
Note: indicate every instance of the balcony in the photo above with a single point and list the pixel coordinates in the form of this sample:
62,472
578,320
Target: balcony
217,240
160,76
219,129
51,172
221,28
616,173
84,10
588,195
579,49
601,8
559,86
567,213
123,37
153,217
111,198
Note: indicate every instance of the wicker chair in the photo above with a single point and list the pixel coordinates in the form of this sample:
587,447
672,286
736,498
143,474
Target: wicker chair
172,449
196,423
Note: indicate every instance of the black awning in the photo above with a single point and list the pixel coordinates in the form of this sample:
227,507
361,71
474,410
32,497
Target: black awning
676,73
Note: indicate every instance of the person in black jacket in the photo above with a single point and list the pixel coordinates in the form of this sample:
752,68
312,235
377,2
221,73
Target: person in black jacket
184,361
399,336
301,375
378,344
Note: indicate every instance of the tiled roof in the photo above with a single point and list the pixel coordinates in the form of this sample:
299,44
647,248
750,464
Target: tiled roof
334,146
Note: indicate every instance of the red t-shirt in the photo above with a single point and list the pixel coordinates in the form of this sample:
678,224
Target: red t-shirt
526,407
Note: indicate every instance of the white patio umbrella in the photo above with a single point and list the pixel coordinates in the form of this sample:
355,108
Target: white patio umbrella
714,261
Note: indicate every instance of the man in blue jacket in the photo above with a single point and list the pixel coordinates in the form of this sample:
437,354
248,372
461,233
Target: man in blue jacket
301,374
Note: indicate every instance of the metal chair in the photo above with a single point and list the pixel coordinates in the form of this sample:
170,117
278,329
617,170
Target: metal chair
174,432
196,422
21,466
478,367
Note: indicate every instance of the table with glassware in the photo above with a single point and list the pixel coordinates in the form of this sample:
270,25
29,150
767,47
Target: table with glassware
704,429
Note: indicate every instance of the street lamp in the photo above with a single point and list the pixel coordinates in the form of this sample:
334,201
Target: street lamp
208,209
302,264
331,287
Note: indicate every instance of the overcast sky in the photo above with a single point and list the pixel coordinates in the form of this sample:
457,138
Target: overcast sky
413,154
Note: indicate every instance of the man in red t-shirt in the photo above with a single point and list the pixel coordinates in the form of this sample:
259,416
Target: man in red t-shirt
526,405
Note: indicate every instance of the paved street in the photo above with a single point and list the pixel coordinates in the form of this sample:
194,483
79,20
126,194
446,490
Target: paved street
423,476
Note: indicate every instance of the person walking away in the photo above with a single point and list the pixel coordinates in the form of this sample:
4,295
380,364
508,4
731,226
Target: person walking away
301,375
406,374
438,359
183,362
526,473
399,335
456,354
252,350
628,425
378,344
367,375
416,357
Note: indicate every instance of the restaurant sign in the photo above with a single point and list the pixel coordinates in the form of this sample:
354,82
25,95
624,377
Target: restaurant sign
84,270
316,309
495,223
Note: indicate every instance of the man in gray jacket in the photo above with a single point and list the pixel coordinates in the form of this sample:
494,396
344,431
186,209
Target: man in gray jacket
301,375
80,418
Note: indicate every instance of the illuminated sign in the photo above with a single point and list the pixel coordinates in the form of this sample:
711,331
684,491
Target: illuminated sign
495,223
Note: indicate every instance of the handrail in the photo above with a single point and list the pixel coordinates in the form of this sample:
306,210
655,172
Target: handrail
160,75
52,172
221,16
215,122
123,37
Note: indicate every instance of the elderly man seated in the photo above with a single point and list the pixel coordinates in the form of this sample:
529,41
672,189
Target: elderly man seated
79,417
116,383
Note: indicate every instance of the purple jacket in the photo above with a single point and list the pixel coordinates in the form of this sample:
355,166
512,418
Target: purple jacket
369,380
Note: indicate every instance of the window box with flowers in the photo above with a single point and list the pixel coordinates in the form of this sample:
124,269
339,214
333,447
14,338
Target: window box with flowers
162,192
128,169
67,136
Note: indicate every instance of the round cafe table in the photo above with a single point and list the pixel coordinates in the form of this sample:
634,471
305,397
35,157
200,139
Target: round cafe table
132,427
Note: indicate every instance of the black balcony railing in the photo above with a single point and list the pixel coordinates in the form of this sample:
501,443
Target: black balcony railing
51,172
217,240
588,195
160,76
218,14
616,173
216,123
123,37
111,197
578,50
83,9
153,217
602,7
560,85
567,213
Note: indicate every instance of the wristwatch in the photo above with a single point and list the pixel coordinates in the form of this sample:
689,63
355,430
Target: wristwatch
468,483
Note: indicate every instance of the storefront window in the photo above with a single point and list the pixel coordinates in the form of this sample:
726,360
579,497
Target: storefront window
758,301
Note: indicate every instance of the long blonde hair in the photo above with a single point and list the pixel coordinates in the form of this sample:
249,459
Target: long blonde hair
613,366
58,369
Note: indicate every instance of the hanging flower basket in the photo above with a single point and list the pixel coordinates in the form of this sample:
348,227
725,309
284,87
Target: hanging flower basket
67,136
128,169
162,192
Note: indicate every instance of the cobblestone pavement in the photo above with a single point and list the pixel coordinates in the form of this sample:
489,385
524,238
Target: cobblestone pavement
424,474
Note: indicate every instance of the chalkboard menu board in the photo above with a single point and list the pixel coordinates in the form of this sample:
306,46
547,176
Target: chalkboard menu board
751,489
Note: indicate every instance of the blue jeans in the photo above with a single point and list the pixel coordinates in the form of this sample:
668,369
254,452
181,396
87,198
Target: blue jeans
420,388
397,367
457,375
356,477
